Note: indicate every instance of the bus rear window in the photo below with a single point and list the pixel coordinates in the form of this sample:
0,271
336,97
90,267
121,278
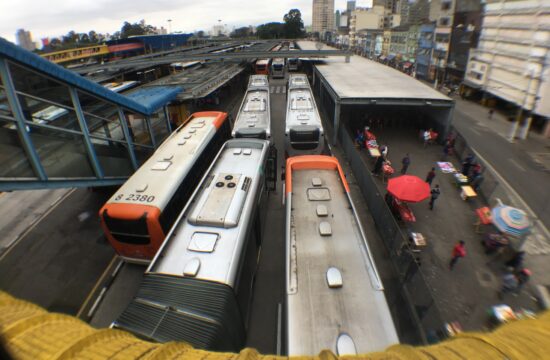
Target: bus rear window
304,139
304,136
128,231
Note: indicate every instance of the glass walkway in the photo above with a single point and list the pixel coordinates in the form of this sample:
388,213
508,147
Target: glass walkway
58,129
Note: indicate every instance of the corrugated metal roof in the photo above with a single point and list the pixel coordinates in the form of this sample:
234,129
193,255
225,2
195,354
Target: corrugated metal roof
154,97
31,60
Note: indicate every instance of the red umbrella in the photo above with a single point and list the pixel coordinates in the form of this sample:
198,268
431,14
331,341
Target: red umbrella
409,188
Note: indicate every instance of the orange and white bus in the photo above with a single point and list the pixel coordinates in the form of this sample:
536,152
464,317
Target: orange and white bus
327,254
262,67
138,216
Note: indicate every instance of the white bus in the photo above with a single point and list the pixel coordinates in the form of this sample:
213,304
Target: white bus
254,117
303,130
198,287
278,68
140,213
293,63
334,296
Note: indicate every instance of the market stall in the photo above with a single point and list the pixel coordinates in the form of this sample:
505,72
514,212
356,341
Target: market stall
407,189
513,223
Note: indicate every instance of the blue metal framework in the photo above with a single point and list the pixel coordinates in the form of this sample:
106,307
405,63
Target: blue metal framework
54,151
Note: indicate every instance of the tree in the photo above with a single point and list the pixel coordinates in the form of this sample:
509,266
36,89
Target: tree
241,32
273,30
128,30
93,36
294,26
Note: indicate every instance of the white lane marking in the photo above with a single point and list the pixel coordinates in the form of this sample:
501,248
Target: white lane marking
475,131
272,89
279,327
100,281
278,89
517,165
284,89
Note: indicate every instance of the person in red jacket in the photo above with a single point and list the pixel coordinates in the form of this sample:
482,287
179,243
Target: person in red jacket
459,251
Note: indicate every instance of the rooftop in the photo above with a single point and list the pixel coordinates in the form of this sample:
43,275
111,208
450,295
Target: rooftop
363,79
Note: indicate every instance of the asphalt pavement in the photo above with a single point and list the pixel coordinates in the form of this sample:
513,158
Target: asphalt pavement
519,163
466,293
20,210
57,262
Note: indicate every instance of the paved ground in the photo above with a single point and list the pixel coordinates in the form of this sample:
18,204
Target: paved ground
269,285
19,210
522,163
466,293
58,261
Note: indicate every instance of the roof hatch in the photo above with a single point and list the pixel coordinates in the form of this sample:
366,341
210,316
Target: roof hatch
222,201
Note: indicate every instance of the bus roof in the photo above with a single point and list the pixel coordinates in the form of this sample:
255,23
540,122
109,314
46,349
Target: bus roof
161,174
324,243
212,230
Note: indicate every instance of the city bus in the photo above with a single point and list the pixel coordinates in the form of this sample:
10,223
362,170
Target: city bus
293,63
142,211
198,288
262,67
303,129
254,117
334,298
278,68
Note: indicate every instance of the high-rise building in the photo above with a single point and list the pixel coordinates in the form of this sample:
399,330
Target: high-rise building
350,6
323,16
392,11
415,12
24,39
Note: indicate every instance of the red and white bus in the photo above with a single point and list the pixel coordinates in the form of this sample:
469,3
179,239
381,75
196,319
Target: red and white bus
138,216
262,67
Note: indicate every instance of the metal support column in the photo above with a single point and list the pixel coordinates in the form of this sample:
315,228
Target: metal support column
336,121
167,118
24,136
151,133
124,124
98,171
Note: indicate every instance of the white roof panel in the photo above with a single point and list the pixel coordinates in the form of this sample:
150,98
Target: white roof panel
363,78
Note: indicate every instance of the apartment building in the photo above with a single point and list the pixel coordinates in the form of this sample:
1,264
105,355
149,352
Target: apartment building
511,62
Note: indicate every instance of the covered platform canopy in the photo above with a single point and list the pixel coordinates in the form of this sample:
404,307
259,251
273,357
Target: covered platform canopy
367,82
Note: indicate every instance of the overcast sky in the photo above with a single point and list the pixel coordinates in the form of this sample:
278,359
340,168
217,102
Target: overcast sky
52,18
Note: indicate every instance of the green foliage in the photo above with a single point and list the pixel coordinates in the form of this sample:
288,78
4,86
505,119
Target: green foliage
294,26
241,32
273,30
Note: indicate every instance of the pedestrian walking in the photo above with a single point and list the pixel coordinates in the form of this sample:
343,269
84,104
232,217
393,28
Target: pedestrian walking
426,137
459,251
510,283
523,277
430,176
405,163
434,195
467,164
516,261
